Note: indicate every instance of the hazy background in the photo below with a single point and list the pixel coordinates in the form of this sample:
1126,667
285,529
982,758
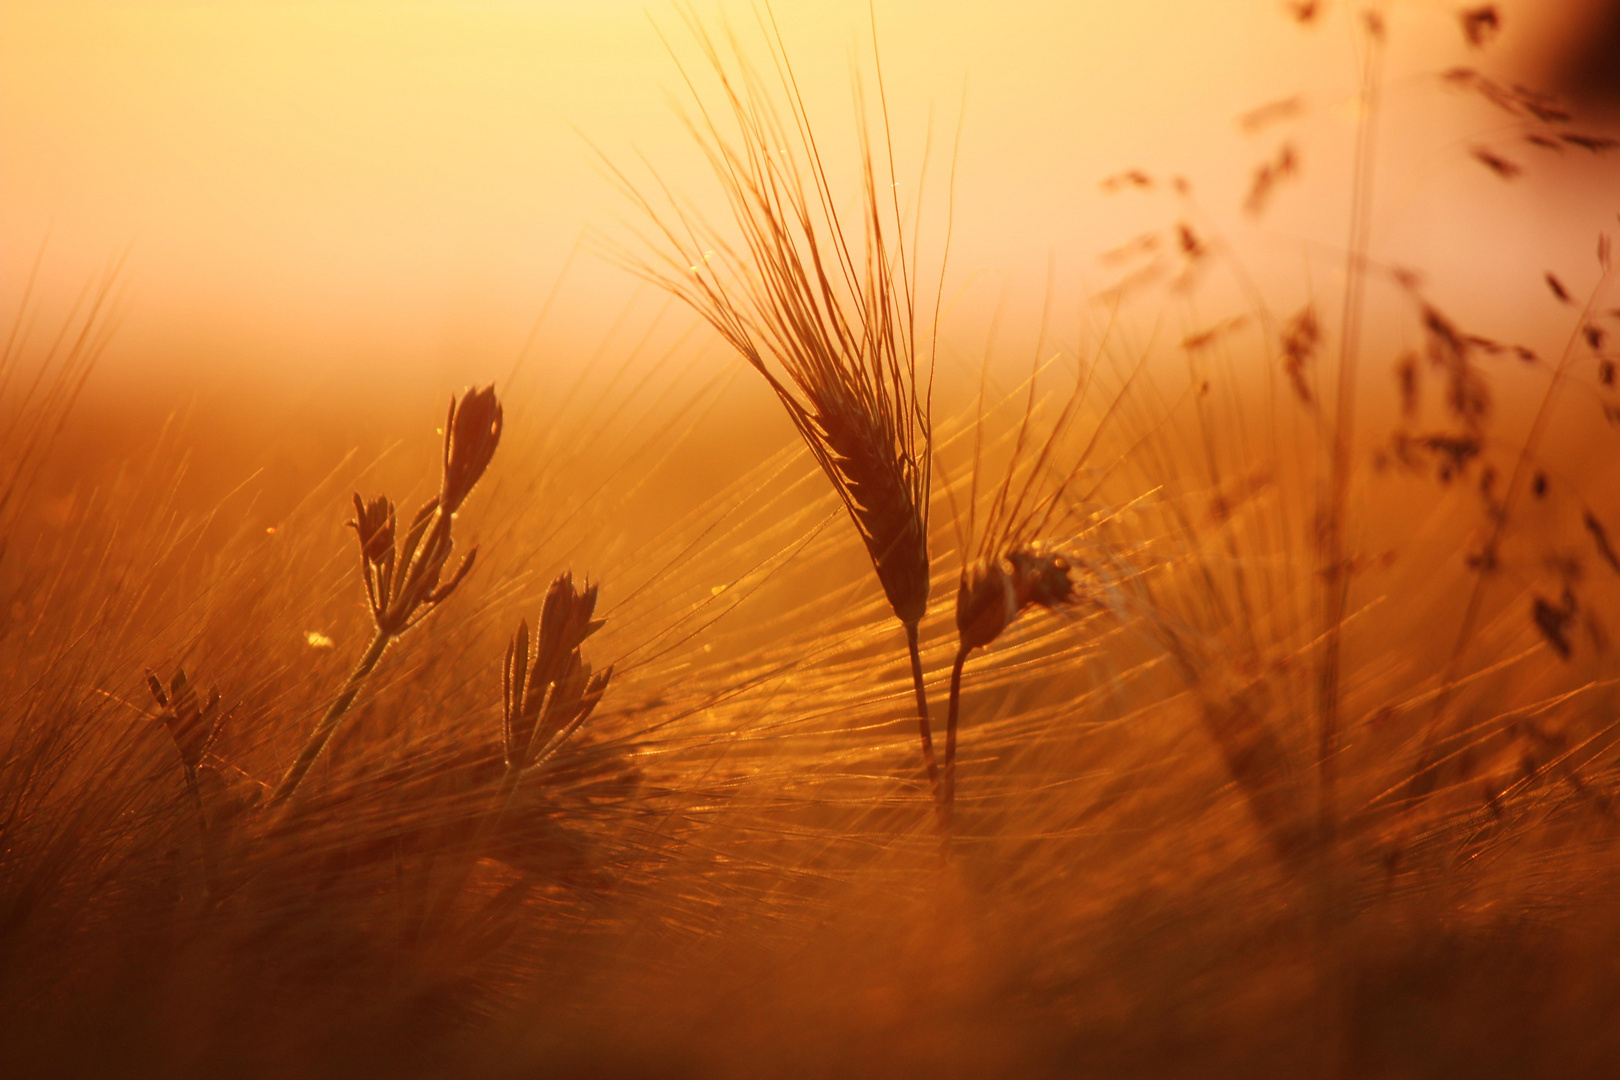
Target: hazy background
341,188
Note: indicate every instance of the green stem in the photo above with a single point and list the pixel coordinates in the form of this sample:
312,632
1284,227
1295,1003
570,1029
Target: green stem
329,723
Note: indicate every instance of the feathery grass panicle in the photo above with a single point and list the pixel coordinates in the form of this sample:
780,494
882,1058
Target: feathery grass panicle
824,309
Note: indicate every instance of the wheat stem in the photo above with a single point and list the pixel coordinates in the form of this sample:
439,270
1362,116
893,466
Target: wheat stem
952,713
922,723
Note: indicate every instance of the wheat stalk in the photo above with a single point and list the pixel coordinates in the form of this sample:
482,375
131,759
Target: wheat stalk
824,310
1014,566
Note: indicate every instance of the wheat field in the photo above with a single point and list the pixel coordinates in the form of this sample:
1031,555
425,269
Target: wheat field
807,676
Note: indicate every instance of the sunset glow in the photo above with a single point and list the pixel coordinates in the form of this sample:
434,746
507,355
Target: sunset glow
810,539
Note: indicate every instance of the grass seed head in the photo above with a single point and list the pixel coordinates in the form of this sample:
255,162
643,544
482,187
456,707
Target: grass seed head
985,604
824,309
406,580
1040,576
994,592
548,698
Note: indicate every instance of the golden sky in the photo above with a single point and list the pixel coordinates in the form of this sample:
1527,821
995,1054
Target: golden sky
355,181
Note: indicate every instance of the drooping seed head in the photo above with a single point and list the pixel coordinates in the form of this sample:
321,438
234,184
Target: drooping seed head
565,623
877,477
1040,576
548,699
985,604
472,431
993,592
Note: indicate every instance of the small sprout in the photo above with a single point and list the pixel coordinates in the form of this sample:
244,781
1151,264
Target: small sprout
993,593
1558,289
192,725
985,604
403,581
1538,485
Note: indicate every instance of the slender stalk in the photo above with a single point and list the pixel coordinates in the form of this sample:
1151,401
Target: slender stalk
329,722
210,864
1334,566
950,732
929,761
437,909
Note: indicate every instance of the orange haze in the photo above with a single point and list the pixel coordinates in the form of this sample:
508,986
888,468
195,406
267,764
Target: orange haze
319,186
